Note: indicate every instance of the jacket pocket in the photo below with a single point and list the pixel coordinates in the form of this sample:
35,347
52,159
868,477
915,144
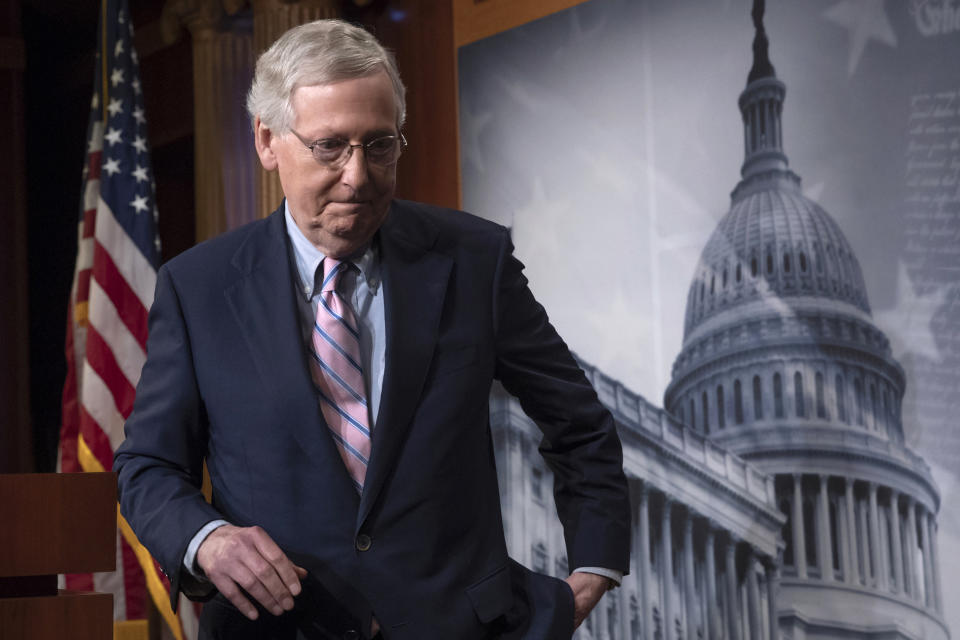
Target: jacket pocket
492,596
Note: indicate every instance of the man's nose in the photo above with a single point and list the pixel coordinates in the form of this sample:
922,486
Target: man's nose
355,172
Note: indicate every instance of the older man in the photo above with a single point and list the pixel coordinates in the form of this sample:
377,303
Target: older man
332,365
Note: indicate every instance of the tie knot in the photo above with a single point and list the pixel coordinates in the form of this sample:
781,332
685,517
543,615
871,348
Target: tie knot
332,269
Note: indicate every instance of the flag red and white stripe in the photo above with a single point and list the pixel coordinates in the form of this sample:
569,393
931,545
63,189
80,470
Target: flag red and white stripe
114,277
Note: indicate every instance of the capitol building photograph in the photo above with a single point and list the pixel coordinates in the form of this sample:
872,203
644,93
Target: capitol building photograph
773,492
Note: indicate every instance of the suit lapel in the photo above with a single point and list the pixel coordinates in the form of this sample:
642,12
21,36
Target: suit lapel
415,282
263,304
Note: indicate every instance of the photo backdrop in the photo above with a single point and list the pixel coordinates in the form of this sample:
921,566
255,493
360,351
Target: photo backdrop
608,137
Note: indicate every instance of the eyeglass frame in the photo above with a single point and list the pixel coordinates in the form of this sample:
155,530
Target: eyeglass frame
400,138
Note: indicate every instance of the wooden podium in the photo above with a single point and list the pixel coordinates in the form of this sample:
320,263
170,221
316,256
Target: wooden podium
54,523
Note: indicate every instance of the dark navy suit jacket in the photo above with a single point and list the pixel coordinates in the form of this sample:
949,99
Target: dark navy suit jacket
227,380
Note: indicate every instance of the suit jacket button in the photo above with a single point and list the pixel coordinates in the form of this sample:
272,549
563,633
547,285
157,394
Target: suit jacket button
350,635
363,542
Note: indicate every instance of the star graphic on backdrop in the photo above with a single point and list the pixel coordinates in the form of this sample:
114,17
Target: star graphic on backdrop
140,144
520,92
140,173
136,85
118,48
140,204
607,172
138,115
814,191
133,56
907,323
95,101
115,106
113,136
473,126
112,166
116,77
865,20
537,239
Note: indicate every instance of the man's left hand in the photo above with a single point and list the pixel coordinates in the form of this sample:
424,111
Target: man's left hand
587,588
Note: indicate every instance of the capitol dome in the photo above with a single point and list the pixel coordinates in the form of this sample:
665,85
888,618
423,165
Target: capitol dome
783,365
774,242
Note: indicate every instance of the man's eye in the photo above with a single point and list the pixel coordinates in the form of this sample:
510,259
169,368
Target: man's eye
329,145
381,146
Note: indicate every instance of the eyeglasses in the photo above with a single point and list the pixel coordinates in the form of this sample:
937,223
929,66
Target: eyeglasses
334,153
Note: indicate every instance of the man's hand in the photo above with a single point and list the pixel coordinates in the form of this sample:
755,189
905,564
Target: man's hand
587,588
234,557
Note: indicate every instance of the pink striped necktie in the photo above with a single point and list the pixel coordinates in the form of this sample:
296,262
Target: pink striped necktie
338,374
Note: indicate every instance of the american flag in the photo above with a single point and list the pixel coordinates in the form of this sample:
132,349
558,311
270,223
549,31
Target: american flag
117,259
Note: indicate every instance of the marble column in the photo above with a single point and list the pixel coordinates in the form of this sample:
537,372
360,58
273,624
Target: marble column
929,599
689,579
935,564
643,549
912,548
842,536
850,540
753,597
772,581
799,542
223,145
733,591
875,548
271,18
824,545
897,542
666,572
713,616
864,540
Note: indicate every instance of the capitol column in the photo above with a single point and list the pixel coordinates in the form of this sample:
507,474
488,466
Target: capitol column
864,539
771,571
799,543
666,572
879,573
843,535
928,599
824,545
897,542
753,596
733,590
688,577
935,564
710,576
912,548
271,18
642,550
850,540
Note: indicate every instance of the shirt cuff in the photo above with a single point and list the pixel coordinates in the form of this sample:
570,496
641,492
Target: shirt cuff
190,557
613,574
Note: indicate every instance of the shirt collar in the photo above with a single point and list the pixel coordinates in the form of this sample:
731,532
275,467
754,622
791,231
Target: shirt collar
308,259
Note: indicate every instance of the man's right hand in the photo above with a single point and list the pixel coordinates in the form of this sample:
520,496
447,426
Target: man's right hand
246,557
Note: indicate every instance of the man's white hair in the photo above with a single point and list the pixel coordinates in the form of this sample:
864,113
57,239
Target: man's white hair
316,53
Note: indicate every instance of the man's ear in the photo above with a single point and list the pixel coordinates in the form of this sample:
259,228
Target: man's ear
263,138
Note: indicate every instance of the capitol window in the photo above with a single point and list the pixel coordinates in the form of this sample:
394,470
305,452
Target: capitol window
757,399
798,394
777,396
841,402
721,418
737,402
818,389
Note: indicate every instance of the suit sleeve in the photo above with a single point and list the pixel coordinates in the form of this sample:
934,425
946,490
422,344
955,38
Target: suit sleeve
160,462
580,442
